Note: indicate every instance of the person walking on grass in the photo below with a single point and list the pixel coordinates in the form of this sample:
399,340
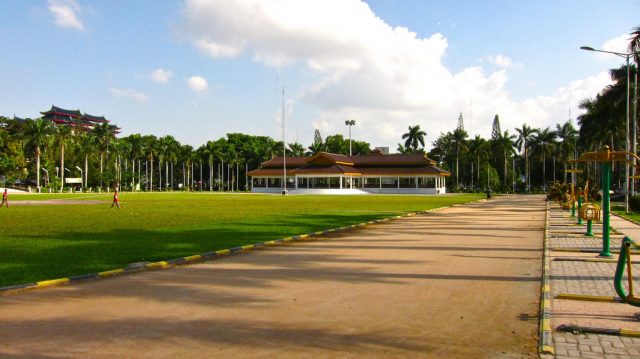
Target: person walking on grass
116,200
5,200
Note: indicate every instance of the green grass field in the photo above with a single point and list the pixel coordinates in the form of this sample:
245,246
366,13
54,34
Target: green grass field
39,242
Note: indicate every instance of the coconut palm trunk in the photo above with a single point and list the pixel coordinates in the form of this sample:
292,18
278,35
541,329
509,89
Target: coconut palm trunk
61,166
38,167
210,176
86,169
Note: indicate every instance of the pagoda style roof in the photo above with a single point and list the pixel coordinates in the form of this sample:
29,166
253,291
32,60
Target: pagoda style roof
62,112
90,118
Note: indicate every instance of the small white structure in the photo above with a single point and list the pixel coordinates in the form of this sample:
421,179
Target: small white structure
328,173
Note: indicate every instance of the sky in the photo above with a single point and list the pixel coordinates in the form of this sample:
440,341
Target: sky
199,69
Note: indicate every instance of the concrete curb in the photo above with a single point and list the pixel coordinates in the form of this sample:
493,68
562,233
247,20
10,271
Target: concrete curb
205,256
545,341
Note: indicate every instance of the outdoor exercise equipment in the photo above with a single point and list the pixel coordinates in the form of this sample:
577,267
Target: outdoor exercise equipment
624,260
589,211
573,171
606,157
579,205
568,199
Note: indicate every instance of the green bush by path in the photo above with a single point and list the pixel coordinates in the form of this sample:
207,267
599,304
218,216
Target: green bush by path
41,242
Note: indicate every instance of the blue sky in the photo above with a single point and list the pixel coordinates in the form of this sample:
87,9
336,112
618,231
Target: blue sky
219,66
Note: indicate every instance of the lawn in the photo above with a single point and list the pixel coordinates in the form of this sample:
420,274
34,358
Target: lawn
41,242
619,210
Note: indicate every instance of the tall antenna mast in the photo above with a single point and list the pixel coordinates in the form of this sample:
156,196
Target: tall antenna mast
284,149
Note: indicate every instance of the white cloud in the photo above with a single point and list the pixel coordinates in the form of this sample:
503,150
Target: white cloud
617,44
501,61
161,75
197,83
129,93
386,78
65,13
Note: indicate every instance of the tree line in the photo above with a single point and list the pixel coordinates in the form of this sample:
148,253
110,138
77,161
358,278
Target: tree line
35,152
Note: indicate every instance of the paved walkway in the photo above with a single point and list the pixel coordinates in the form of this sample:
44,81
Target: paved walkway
463,282
578,273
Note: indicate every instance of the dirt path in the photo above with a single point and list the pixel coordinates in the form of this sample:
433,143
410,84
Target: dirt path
461,282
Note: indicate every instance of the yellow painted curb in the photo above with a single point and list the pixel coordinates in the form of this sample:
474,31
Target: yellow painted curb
110,273
161,264
222,252
548,349
196,257
270,243
52,282
247,247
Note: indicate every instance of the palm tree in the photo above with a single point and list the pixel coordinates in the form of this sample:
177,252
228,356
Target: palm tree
37,134
634,44
506,145
168,154
150,147
566,133
525,136
86,145
211,151
135,153
185,153
317,145
62,135
544,140
459,142
103,135
296,149
476,150
402,149
414,137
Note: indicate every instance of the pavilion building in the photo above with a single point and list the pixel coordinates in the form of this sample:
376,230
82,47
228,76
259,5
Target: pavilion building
328,173
75,119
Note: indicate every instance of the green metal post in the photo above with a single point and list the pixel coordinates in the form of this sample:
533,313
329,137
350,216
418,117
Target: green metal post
589,229
606,183
579,209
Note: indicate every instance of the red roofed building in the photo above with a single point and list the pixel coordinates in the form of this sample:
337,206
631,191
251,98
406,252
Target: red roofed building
331,173
75,118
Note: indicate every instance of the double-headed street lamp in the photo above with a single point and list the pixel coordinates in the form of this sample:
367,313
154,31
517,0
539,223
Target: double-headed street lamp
627,56
350,123
83,184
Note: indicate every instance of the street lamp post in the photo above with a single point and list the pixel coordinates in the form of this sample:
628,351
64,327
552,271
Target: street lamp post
627,56
81,174
350,123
